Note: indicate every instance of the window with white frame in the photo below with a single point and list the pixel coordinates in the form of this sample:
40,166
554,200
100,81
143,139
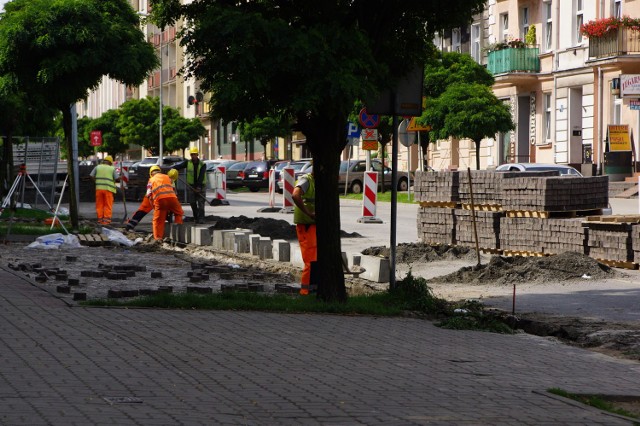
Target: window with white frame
456,40
504,26
547,116
475,43
524,22
616,11
578,21
548,26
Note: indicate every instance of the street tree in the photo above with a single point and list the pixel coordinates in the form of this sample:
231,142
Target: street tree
311,61
265,129
467,110
63,48
138,124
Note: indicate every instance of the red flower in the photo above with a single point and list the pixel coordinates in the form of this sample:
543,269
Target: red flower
602,27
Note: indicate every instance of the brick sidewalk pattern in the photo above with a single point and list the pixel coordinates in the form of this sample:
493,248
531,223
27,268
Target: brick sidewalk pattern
63,365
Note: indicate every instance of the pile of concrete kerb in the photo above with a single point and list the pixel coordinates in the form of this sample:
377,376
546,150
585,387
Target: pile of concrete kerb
525,213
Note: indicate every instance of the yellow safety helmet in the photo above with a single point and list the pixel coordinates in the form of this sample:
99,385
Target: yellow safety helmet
194,150
108,158
173,174
153,169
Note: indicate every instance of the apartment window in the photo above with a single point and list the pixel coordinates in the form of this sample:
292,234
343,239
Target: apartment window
579,21
547,117
617,9
475,43
456,39
504,26
524,24
548,26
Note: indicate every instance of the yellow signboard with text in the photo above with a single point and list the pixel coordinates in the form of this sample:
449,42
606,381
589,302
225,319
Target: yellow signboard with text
619,137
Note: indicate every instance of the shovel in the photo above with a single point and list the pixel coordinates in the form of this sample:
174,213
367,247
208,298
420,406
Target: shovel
213,202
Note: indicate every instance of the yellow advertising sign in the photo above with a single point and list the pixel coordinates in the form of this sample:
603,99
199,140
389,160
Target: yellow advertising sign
619,137
415,127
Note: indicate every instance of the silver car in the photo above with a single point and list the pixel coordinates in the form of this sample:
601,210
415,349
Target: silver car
563,169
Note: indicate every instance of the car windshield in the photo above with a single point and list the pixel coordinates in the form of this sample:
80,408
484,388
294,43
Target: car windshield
149,160
297,166
280,166
237,166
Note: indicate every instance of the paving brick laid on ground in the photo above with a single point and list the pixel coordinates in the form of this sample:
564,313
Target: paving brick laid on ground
66,365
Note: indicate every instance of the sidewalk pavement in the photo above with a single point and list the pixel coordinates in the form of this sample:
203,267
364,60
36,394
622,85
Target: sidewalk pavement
66,366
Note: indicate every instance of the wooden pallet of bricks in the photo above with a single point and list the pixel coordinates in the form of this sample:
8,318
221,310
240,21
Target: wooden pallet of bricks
618,263
93,240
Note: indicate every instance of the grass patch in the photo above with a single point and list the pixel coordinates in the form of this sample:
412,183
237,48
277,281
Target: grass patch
383,197
595,401
29,214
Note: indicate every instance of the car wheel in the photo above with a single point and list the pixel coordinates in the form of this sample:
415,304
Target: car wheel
254,189
403,185
356,187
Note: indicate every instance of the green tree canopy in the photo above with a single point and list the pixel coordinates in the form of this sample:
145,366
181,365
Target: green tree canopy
467,110
107,123
311,61
460,102
265,129
138,124
62,48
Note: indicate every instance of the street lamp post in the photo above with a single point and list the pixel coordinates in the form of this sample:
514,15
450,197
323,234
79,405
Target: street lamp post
160,154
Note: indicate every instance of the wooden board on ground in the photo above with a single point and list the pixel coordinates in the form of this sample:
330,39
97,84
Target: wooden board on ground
93,240
618,263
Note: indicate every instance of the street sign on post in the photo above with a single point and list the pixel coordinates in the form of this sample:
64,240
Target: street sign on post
96,138
407,139
368,121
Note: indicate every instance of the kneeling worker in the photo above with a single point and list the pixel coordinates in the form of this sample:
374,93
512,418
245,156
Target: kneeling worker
146,206
164,199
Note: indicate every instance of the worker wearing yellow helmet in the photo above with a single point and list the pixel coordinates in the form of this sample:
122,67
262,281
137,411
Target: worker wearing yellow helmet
146,206
105,177
162,195
195,175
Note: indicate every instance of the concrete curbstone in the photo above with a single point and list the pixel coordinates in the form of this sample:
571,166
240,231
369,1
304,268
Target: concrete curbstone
281,250
376,268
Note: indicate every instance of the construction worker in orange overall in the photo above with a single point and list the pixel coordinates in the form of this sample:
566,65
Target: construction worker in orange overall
304,217
146,206
163,196
105,177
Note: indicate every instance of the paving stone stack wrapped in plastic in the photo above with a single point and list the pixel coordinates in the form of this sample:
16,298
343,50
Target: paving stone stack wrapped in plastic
436,225
543,236
611,241
437,187
555,194
487,226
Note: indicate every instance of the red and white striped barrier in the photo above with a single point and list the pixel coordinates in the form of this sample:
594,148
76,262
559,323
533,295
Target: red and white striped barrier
221,189
369,198
272,188
287,190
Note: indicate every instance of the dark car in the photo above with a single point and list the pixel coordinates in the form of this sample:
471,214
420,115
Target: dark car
256,175
234,179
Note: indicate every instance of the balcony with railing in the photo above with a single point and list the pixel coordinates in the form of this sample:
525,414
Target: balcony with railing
617,42
511,60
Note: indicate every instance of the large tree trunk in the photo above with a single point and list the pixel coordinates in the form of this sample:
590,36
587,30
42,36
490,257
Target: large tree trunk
6,174
477,142
326,141
73,202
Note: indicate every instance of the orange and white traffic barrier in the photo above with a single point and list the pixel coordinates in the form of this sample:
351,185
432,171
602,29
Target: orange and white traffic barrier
221,188
272,188
287,190
369,198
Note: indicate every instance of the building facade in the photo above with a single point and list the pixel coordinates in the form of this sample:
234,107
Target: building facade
558,83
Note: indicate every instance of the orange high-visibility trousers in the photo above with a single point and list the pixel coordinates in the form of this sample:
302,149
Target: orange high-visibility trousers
309,250
160,209
104,206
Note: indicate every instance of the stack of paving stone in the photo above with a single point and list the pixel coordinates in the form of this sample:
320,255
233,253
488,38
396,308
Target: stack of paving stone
486,188
635,242
487,227
436,225
555,194
611,241
543,236
437,187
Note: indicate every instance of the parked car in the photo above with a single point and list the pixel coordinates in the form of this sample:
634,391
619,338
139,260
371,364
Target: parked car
141,168
234,179
563,169
213,164
356,169
256,174
299,168
123,166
